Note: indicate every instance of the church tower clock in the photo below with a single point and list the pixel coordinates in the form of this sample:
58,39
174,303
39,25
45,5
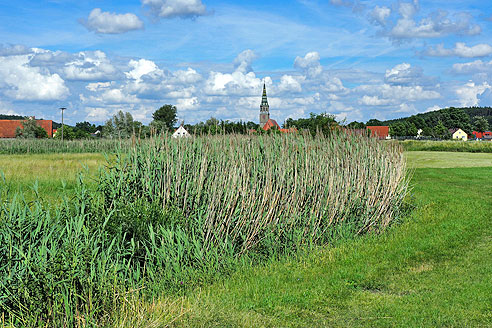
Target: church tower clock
264,108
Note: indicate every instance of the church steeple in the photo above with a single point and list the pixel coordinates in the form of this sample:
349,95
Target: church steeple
264,108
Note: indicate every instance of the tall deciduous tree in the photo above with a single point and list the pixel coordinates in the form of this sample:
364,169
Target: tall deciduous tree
165,118
440,131
480,124
121,125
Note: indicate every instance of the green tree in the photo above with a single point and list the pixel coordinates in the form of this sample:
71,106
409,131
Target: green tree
165,118
440,131
30,130
121,125
356,125
397,129
374,122
324,123
427,131
68,133
412,130
480,124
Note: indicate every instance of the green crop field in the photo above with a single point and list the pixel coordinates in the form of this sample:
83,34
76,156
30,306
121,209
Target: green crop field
428,269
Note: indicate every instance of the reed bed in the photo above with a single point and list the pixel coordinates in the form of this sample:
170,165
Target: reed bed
448,145
170,214
47,146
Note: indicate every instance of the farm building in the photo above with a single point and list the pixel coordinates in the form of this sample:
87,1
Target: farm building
382,132
8,127
181,133
458,134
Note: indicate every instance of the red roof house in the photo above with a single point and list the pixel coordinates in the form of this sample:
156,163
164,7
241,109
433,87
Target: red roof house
272,123
482,135
8,127
382,132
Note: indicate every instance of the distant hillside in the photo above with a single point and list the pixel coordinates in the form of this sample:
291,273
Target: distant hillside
452,117
11,117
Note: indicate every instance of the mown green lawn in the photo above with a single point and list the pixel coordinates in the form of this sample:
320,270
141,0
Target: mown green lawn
441,159
433,270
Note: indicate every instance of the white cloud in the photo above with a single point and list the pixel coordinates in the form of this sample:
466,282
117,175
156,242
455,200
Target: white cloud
89,66
190,76
95,86
437,24
112,23
374,101
187,103
98,114
379,95
331,85
289,83
473,67
21,81
237,83
309,64
142,67
244,60
403,74
380,14
14,50
460,50
175,8
468,94
433,108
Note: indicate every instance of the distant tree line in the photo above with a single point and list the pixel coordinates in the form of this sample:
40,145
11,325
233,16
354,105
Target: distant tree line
436,123
123,125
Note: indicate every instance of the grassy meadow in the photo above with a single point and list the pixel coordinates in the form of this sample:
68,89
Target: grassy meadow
54,174
447,146
428,268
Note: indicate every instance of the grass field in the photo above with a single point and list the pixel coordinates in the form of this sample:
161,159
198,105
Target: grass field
432,270
439,159
51,171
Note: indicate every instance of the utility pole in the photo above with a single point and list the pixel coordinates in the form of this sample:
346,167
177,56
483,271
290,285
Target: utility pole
62,109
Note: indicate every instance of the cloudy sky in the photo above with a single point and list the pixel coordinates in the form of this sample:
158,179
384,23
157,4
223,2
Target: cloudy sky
355,59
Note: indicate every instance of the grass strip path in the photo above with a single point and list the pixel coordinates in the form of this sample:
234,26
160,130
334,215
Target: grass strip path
434,270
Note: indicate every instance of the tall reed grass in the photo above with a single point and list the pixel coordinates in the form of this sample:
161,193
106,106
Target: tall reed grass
45,146
448,145
174,213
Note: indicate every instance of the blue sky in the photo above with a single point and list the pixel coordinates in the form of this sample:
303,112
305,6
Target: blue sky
354,59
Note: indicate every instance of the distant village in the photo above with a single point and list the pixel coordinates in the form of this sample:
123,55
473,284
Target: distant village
122,125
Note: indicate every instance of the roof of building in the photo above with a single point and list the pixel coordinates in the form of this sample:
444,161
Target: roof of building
379,131
454,130
264,100
8,127
180,132
480,135
270,124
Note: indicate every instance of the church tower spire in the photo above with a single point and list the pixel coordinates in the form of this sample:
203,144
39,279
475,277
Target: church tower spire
264,108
